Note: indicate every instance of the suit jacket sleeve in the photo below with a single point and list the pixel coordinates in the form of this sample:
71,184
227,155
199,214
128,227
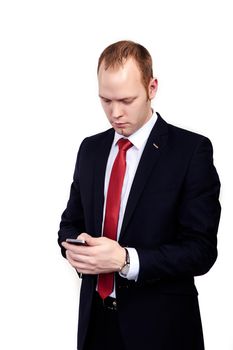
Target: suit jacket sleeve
195,249
72,220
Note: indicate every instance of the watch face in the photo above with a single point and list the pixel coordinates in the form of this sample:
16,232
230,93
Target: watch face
125,270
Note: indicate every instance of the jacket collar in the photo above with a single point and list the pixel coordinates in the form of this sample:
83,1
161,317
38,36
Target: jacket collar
154,147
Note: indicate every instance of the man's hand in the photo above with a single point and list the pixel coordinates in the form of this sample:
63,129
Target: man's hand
100,255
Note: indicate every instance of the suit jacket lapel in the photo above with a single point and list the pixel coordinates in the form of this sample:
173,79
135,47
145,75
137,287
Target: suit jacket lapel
101,158
156,141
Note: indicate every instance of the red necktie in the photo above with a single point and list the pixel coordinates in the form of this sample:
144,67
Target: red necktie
106,281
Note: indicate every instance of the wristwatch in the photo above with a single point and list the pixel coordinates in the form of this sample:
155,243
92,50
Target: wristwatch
125,269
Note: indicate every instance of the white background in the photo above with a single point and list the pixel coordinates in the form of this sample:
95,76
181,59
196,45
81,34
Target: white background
48,91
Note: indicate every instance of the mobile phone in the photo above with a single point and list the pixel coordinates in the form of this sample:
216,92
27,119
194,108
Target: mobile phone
76,241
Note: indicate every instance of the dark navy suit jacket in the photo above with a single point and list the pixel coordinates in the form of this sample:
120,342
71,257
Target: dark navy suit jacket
171,218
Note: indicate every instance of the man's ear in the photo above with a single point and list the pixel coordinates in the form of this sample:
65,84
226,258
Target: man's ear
152,88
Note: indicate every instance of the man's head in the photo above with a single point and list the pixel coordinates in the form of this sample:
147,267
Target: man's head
126,85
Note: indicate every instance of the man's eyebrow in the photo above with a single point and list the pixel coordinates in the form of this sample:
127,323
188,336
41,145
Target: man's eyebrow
120,99
127,98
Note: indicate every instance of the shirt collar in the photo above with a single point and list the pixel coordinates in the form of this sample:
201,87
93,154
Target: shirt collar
139,137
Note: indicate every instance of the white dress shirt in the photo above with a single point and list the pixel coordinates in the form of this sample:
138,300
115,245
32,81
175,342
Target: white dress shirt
133,155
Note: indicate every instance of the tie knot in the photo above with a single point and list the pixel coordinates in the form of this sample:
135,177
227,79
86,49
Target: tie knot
124,144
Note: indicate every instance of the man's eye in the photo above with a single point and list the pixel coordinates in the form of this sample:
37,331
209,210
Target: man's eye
106,101
127,102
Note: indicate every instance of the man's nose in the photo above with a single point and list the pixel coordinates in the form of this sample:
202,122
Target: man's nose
116,110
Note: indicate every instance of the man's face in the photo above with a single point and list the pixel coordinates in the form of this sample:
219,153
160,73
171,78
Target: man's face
124,97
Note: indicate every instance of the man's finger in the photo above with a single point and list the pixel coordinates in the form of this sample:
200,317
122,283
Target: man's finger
91,241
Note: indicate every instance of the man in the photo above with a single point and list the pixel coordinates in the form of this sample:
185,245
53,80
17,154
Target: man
145,200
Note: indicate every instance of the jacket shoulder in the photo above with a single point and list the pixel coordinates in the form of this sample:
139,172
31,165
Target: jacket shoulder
184,133
96,139
178,134
186,138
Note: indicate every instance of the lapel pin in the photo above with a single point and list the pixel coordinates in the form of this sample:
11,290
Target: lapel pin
156,146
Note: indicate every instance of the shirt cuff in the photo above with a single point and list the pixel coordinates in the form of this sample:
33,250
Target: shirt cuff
134,265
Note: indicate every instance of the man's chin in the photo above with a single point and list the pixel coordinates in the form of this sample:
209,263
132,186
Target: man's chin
123,131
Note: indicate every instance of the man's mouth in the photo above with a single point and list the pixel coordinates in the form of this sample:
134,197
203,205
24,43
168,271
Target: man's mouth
120,125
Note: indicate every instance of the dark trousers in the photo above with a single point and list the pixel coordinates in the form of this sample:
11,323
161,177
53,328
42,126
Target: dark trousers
104,332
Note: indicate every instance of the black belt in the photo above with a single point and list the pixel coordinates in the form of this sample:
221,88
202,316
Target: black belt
108,303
